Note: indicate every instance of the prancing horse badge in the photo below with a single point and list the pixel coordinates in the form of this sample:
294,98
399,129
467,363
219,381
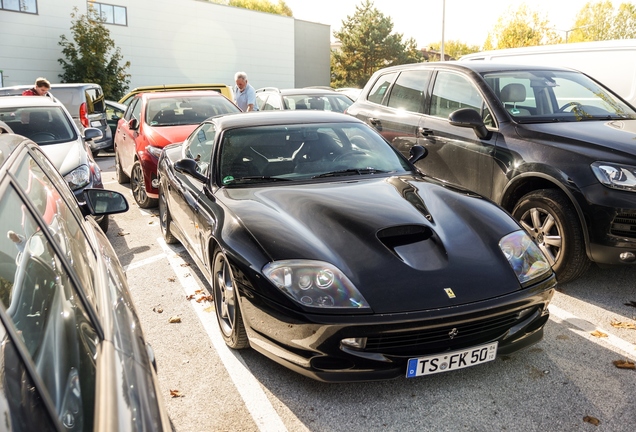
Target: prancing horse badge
449,292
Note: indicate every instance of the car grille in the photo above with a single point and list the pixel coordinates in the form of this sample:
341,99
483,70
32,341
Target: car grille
436,339
624,225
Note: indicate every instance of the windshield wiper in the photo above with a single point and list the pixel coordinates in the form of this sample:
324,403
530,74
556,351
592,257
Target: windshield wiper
359,171
268,178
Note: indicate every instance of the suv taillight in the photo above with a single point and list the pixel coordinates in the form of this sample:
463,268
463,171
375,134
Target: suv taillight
82,114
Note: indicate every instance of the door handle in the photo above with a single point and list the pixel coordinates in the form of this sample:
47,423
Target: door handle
425,131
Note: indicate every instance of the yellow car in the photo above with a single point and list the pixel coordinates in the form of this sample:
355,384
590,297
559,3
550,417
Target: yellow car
224,89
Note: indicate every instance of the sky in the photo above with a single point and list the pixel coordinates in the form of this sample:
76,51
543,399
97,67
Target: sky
467,21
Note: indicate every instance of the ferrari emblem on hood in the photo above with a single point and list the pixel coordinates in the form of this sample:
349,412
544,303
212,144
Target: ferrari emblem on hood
449,292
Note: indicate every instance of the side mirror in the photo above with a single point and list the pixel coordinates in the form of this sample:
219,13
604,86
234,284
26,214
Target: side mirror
104,202
92,133
417,153
469,118
189,166
133,124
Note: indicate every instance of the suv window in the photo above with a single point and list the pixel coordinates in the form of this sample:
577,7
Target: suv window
409,90
381,87
451,92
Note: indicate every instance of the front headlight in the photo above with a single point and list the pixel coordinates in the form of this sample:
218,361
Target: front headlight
615,176
79,177
524,256
155,151
315,284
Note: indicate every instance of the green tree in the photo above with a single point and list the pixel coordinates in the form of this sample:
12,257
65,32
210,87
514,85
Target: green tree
523,27
92,55
454,48
368,44
279,8
602,21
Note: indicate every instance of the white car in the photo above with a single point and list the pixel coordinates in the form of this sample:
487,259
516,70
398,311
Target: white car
48,123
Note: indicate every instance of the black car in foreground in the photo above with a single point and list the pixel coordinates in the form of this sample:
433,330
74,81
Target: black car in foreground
552,146
73,355
328,252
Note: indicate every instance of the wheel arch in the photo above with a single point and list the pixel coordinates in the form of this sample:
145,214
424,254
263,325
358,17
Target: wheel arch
528,182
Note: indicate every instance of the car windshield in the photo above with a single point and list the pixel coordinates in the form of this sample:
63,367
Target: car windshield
44,125
304,152
555,96
337,102
186,110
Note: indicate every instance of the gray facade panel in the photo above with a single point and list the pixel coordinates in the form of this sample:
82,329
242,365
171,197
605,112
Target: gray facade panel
312,54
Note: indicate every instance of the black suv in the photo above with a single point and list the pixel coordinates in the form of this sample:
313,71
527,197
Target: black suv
552,146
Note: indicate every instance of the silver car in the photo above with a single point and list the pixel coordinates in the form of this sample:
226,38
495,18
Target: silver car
48,123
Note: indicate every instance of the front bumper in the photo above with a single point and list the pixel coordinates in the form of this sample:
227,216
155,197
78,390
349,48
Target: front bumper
611,219
312,344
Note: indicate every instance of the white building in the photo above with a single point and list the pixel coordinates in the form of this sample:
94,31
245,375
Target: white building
168,42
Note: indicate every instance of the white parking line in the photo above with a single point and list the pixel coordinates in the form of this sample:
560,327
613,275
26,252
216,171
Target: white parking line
585,328
144,262
256,401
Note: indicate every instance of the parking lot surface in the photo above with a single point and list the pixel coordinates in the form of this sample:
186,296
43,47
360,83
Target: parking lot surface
567,382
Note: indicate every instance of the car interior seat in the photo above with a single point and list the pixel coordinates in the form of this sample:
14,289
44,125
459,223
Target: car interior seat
316,103
316,154
301,105
512,94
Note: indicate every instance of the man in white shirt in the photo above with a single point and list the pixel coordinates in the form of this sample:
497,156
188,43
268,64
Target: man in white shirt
244,93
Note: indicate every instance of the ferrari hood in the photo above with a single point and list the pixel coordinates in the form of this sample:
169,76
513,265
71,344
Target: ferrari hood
401,240
66,156
162,136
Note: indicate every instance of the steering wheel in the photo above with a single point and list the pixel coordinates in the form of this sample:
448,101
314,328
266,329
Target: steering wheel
43,136
569,104
350,155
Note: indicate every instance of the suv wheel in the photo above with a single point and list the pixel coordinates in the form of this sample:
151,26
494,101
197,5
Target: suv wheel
138,186
548,216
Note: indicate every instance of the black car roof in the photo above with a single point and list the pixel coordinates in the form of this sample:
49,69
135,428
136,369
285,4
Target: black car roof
267,118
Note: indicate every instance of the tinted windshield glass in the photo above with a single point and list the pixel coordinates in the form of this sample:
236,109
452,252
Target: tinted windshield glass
302,152
171,111
547,96
44,125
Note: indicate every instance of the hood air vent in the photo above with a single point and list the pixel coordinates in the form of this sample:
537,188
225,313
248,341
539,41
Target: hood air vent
416,245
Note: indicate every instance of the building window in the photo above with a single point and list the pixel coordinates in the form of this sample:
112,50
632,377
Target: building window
26,6
112,14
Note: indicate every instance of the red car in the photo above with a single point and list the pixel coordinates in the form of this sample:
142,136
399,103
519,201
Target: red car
151,122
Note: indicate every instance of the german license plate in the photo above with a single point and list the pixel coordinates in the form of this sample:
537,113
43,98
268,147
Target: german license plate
96,123
451,360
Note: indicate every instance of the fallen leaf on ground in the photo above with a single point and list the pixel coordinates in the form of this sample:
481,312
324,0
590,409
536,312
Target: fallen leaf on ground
209,309
151,222
199,291
187,275
185,264
175,393
592,420
598,334
158,310
172,279
622,324
190,297
121,233
624,364
205,298
174,320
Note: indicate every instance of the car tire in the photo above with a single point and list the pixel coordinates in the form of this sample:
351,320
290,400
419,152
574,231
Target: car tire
119,172
226,304
550,219
103,223
165,218
138,187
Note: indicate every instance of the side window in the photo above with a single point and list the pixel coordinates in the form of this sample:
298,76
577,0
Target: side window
136,110
42,302
380,88
199,146
409,90
132,108
451,92
260,101
20,400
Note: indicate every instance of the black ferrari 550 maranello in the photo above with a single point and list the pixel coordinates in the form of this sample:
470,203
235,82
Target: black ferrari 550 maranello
330,253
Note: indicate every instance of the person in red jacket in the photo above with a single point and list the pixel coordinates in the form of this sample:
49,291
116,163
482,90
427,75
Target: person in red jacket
41,88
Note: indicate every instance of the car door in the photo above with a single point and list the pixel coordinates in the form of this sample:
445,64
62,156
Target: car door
127,132
456,154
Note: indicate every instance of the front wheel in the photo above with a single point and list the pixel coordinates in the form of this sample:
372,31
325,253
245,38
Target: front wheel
226,304
138,186
548,216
